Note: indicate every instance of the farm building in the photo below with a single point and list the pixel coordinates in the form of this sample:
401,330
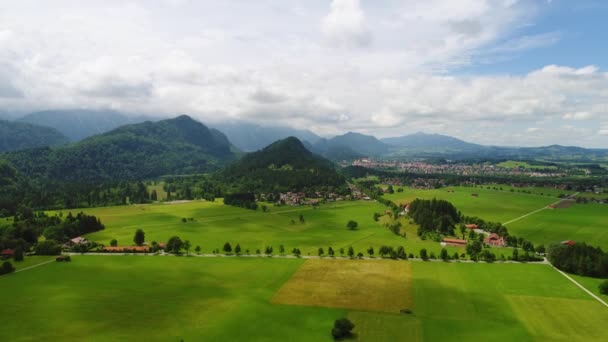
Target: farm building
7,253
78,241
471,226
495,240
568,242
455,242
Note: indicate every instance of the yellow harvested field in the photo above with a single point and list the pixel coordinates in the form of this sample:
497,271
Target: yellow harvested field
368,285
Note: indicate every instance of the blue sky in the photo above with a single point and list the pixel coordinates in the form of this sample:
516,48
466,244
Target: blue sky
501,72
581,28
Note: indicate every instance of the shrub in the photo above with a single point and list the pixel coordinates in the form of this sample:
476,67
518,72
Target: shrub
7,268
604,287
342,328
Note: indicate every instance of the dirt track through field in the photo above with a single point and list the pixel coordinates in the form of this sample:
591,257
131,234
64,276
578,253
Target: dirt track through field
556,204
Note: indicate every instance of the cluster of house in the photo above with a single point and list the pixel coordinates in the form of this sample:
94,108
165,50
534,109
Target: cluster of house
453,168
491,239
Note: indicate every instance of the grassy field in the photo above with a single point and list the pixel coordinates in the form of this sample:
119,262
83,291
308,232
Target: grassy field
579,222
29,261
512,164
503,302
491,205
214,224
157,298
374,285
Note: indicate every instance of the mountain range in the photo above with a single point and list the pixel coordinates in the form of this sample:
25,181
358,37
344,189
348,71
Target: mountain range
77,124
18,136
138,151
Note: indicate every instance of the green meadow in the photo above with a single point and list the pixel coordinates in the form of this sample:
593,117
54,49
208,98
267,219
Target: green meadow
156,298
579,222
490,205
214,224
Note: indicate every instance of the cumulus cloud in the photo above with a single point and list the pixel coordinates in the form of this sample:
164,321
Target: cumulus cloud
346,24
309,66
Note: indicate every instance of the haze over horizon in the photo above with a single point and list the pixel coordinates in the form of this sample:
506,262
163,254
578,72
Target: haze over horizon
509,73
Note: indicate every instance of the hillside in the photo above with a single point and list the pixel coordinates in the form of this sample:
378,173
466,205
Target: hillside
175,146
350,146
251,137
78,124
18,136
285,165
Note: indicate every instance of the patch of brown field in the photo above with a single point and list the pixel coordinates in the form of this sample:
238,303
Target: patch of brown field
564,204
368,285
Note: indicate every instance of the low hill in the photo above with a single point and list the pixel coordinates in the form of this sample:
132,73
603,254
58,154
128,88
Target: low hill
150,149
250,137
78,124
285,165
19,136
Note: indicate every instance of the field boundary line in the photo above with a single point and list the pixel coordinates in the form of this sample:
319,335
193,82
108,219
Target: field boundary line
29,267
541,209
581,286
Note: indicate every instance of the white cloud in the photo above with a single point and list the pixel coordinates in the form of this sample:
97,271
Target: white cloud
346,25
270,62
578,116
533,130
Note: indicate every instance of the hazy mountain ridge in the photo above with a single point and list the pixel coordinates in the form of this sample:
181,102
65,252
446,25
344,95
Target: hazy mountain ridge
78,124
251,137
18,136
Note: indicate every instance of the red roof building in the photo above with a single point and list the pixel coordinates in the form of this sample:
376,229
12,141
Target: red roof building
568,242
7,253
455,242
471,226
495,240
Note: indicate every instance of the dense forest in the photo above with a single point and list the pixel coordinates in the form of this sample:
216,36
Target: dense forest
285,165
18,136
133,152
580,259
434,215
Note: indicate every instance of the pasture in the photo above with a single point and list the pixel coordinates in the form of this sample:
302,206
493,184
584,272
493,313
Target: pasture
579,222
156,298
490,205
214,224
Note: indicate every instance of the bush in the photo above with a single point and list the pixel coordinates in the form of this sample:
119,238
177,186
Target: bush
604,287
48,247
342,328
407,311
7,268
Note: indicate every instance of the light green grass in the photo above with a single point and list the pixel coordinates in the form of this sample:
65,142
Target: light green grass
119,298
155,298
503,302
29,261
215,223
490,205
580,222
591,284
